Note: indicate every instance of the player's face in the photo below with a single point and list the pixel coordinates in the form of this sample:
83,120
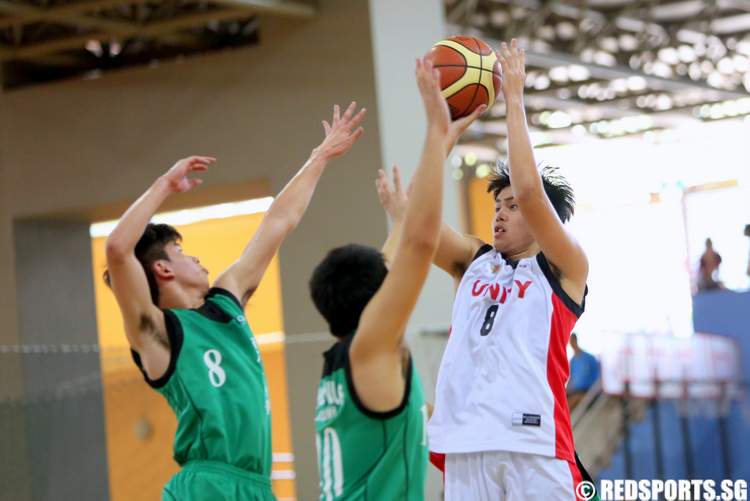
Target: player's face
511,233
187,270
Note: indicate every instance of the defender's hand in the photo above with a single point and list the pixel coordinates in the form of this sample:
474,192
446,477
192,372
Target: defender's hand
341,133
392,197
177,179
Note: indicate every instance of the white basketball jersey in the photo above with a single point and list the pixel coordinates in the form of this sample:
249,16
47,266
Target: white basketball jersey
501,385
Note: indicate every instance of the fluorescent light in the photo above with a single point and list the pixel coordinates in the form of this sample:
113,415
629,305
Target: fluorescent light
189,216
636,83
483,170
578,73
542,82
669,55
270,338
559,120
686,53
538,137
619,85
282,475
95,47
725,65
559,74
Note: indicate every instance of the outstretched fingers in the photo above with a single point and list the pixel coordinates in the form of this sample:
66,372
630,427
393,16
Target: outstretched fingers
396,179
348,121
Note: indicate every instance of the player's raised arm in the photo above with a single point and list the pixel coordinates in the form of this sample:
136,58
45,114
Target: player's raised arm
125,274
455,250
451,244
394,201
286,211
560,248
376,352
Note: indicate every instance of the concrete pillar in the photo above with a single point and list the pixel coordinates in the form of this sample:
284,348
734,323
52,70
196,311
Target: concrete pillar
62,394
402,32
14,464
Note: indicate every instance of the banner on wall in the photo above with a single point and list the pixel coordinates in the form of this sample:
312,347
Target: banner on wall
703,366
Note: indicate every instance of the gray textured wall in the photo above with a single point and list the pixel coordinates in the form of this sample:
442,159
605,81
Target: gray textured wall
63,411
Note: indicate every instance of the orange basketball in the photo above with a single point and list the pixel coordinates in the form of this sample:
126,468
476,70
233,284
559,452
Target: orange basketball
470,73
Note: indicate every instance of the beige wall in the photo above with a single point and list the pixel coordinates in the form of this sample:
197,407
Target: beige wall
83,149
13,452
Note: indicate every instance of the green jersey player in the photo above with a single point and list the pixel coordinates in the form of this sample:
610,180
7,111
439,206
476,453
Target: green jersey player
371,414
193,342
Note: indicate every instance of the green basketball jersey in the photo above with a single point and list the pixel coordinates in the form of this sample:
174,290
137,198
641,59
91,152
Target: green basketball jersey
216,386
365,455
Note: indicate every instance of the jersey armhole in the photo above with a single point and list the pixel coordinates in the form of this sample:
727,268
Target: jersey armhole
176,337
484,249
214,291
554,282
375,414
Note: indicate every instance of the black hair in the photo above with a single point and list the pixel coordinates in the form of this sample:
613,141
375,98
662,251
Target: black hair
344,282
149,249
557,188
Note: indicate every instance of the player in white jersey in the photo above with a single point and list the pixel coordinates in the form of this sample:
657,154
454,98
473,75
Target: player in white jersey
501,415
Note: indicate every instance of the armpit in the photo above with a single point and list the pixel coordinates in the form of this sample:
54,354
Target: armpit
148,327
459,269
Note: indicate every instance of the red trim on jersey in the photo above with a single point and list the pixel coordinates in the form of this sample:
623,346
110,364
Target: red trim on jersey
558,370
577,479
438,460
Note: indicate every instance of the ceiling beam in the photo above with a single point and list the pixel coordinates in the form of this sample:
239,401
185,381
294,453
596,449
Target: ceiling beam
14,17
551,59
19,14
153,30
573,10
683,9
555,86
734,4
731,24
461,11
557,103
677,10
274,7
75,19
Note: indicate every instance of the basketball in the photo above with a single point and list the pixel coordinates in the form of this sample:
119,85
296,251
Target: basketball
470,73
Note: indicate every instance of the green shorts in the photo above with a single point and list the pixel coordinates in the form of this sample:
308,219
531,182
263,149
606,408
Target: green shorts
214,481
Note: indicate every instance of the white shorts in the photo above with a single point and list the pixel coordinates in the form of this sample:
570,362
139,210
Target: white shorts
509,476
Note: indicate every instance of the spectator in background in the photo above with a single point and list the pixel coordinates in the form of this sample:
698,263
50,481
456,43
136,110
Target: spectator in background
709,268
584,373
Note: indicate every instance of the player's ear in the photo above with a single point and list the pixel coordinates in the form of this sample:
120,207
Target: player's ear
163,269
